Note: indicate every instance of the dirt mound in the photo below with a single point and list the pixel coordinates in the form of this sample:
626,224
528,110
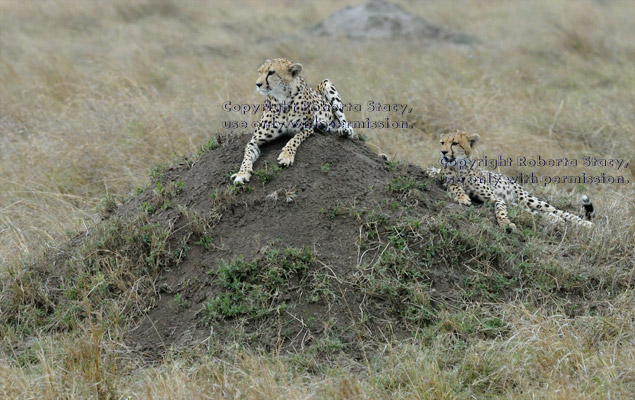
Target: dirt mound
279,259
378,19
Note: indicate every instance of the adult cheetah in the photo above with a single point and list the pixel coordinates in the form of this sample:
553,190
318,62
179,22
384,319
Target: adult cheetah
292,108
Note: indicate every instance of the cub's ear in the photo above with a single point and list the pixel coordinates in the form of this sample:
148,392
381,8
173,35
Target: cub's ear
474,137
295,69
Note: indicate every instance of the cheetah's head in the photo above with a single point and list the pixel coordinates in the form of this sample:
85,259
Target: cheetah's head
457,145
277,78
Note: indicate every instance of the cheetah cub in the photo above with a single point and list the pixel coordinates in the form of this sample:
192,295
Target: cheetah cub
466,182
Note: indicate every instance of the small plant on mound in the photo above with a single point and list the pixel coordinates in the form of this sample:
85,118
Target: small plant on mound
212,144
254,289
267,174
404,184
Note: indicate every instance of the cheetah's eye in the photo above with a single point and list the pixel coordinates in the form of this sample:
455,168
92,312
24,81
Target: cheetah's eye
271,73
454,143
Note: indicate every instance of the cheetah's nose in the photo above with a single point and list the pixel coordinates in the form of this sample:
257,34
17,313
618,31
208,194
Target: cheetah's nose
258,84
444,152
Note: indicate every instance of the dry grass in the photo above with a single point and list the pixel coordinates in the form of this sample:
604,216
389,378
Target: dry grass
548,356
96,95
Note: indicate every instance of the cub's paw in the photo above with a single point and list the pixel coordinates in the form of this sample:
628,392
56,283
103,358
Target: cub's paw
465,200
285,158
511,227
433,172
240,178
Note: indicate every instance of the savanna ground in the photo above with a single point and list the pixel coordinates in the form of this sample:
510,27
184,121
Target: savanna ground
96,95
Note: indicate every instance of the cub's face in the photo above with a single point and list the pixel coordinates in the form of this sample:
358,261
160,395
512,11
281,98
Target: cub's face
275,78
457,145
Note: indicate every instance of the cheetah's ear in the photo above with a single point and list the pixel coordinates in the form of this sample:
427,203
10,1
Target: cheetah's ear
295,69
474,137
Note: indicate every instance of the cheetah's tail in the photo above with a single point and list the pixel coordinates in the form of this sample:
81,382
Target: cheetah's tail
589,210
328,90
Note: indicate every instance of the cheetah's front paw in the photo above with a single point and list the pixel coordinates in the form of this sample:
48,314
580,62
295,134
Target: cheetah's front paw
240,178
345,131
285,158
322,126
465,200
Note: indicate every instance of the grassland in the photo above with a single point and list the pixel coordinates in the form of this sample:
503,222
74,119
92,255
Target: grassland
94,96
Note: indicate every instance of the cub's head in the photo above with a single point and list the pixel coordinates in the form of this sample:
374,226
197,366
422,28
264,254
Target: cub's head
457,145
277,78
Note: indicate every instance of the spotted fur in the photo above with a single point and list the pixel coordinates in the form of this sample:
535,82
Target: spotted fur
466,183
296,110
